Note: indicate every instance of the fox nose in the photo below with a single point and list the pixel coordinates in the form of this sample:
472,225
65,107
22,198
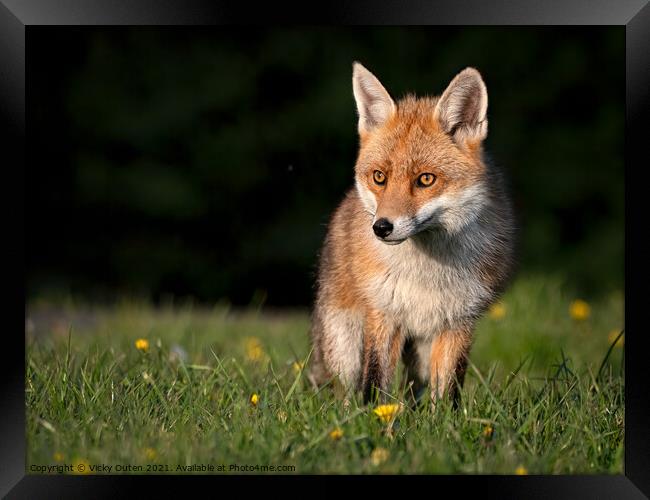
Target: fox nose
382,227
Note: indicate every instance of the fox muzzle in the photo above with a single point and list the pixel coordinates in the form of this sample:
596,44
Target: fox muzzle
382,227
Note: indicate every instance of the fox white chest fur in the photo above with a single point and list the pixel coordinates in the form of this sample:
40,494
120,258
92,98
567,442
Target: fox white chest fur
426,290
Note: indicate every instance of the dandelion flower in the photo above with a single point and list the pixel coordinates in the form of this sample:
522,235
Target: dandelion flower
387,412
297,366
379,456
255,399
488,430
336,434
142,345
497,310
58,456
521,470
150,453
612,337
579,310
254,349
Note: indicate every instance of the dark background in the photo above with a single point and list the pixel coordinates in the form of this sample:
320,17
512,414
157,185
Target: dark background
204,162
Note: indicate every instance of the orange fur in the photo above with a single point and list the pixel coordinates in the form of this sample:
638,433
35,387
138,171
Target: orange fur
449,351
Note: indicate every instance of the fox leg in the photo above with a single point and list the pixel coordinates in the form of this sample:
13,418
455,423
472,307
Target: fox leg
338,344
448,362
318,373
382,346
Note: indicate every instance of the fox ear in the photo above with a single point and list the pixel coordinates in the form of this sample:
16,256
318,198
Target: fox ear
374,104
462,108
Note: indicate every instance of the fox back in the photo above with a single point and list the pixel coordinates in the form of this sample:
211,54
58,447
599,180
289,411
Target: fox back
421,245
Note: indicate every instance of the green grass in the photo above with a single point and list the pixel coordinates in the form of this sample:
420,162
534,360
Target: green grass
537,378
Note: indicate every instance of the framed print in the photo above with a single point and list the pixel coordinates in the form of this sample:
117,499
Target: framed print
367,242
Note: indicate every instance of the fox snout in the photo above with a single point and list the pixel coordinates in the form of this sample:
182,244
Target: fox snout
382,227
391,231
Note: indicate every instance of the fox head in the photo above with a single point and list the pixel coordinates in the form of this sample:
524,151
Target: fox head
419,166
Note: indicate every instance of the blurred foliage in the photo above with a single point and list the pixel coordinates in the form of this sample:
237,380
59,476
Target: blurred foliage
205,162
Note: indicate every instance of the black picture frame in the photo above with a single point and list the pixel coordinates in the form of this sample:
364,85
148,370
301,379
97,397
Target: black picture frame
16,18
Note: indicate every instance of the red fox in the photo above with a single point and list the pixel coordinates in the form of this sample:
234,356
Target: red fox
419,248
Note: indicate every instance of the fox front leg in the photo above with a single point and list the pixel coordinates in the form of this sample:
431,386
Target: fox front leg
448,362
382,346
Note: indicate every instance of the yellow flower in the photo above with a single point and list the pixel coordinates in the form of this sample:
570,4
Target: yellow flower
379,456
80,466
387,412
336,434
297,366
579,310
521,470
488,431
254,350
612,337
255,399
497,310
150,453
142,345
58,456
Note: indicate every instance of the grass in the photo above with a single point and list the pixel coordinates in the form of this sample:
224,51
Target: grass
544,393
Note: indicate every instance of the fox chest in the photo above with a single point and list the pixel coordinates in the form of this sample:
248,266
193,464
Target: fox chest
424,297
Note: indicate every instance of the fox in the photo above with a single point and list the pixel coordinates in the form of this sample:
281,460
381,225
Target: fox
418,249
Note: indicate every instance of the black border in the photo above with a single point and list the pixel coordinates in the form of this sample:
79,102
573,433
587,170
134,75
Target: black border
15,15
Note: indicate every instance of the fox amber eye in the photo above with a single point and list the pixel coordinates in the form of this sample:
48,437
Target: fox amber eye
379,177
426,180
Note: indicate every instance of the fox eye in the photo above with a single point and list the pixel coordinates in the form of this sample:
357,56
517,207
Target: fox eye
426,180
379,177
